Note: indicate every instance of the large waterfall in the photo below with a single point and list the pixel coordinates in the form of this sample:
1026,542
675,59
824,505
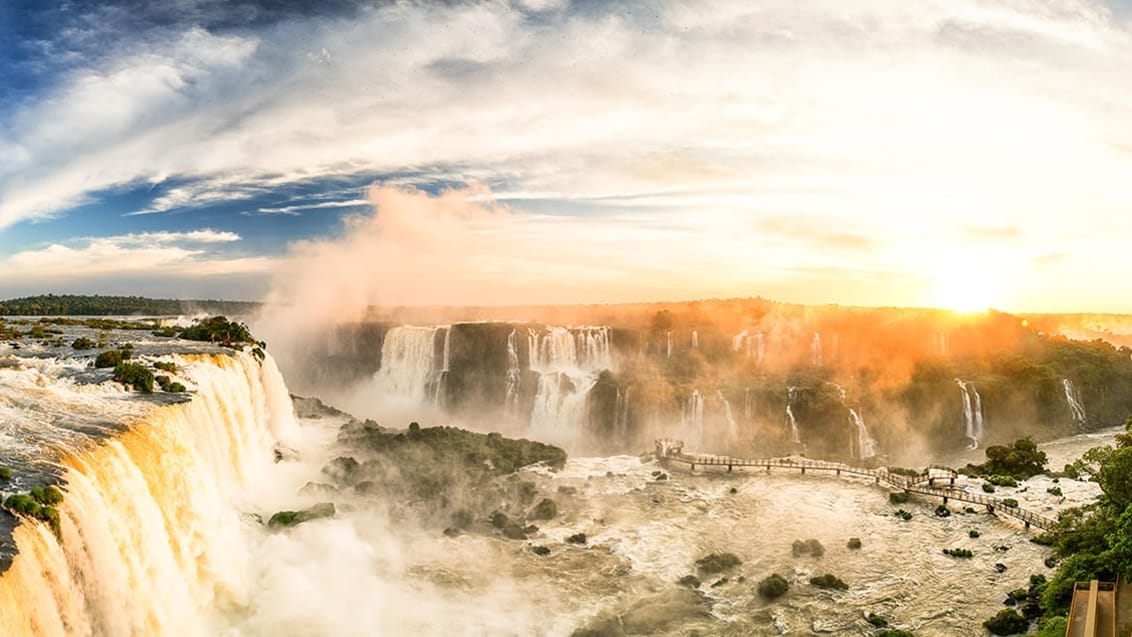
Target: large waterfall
408,363
568,361
791,422
972,413
732,427
1074,400
693,417
815,350
151,539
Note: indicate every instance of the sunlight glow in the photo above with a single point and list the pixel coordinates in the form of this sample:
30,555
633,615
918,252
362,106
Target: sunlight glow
967,288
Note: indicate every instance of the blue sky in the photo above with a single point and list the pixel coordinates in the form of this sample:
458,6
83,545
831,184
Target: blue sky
960,153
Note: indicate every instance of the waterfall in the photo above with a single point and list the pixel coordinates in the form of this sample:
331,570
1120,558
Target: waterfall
760,347
569,361
815,350
972,413
939,343
732,428
791,392
151,541
1074,400
621,415
748,404
668,344
408,365
693,416
695,339
514,373
866,446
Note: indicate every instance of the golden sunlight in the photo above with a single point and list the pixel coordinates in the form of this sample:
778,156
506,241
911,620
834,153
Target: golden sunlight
966,289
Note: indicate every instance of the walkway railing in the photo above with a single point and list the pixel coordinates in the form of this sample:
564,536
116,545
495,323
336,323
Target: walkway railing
923,483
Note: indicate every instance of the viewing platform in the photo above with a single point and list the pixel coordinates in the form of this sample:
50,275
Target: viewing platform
927,483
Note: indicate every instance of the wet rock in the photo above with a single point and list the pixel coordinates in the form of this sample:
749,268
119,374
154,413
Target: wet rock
541,551
1000,567
546,509
320,489
286,519
654,614
577,538
565,490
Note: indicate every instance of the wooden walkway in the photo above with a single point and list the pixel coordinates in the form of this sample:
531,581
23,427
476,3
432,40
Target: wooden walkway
926,483
1092,612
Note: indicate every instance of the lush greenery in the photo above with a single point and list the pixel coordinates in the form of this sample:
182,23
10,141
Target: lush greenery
772,586
134,375
96,305
5,473
1007,622
168,385
829,581
219,330
958,552
1006,465
112,357
717,563
40,504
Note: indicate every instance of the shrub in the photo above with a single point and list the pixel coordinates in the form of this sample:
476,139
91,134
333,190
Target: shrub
904,515
82,342
134,375
898,497
691,581
894,633
972,533
829,581
876,620
773,586
5,473
942,511
902,471
988,487
1002,481
109,358
1010,502
166,366
854,543
1007,622
807,547
48,495
577,538
958,553
717,562
218,329
1054,491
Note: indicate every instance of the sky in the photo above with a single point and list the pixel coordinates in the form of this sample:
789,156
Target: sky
955,153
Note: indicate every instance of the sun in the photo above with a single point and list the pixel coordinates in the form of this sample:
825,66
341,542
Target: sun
966,289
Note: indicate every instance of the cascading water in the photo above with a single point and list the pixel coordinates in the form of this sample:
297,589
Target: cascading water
693,417
151,541
1074,400
621,417
408,366
815,350
791,422
668,344
972,413
866,446
695,339
760,347
748,404
514,373
732,428
569,361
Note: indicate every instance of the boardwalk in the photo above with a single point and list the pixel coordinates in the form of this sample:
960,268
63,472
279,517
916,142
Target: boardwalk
1093,610
928,483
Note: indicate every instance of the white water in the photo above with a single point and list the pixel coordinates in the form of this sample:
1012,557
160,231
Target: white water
408,363
815,350
866,445
569,361
790,421
972,413
732,428
693,417
695,339
1074,401
514,374
668,344
621,417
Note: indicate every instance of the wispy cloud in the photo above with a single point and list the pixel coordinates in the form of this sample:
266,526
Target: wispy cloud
297,208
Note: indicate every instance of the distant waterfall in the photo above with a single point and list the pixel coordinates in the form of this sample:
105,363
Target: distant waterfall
815,350
748,404
694,415
866,446
939,343
621,415
408,365
972,413
760,347
569,361
514,374
695,339
668,344
732,428
790,420
1074,400
750,345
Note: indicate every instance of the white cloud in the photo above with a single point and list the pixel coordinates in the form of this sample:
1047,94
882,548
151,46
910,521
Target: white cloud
296,208
903,119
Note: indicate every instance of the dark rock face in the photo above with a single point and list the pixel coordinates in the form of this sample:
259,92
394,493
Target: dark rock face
286,519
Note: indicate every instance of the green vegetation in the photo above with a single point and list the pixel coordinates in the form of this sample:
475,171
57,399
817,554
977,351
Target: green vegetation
691,581
293,518
965,553
134,375
5,473
942,511
854,543
83,342
876,620
807,547
84,305
904,515
773,586
166,366
988,487
219,330
904,471
895,633
1010,502
39,505
168,385
112,358
1007,622
48,495
1054,491
1005,465
972,533
717,563
830,582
